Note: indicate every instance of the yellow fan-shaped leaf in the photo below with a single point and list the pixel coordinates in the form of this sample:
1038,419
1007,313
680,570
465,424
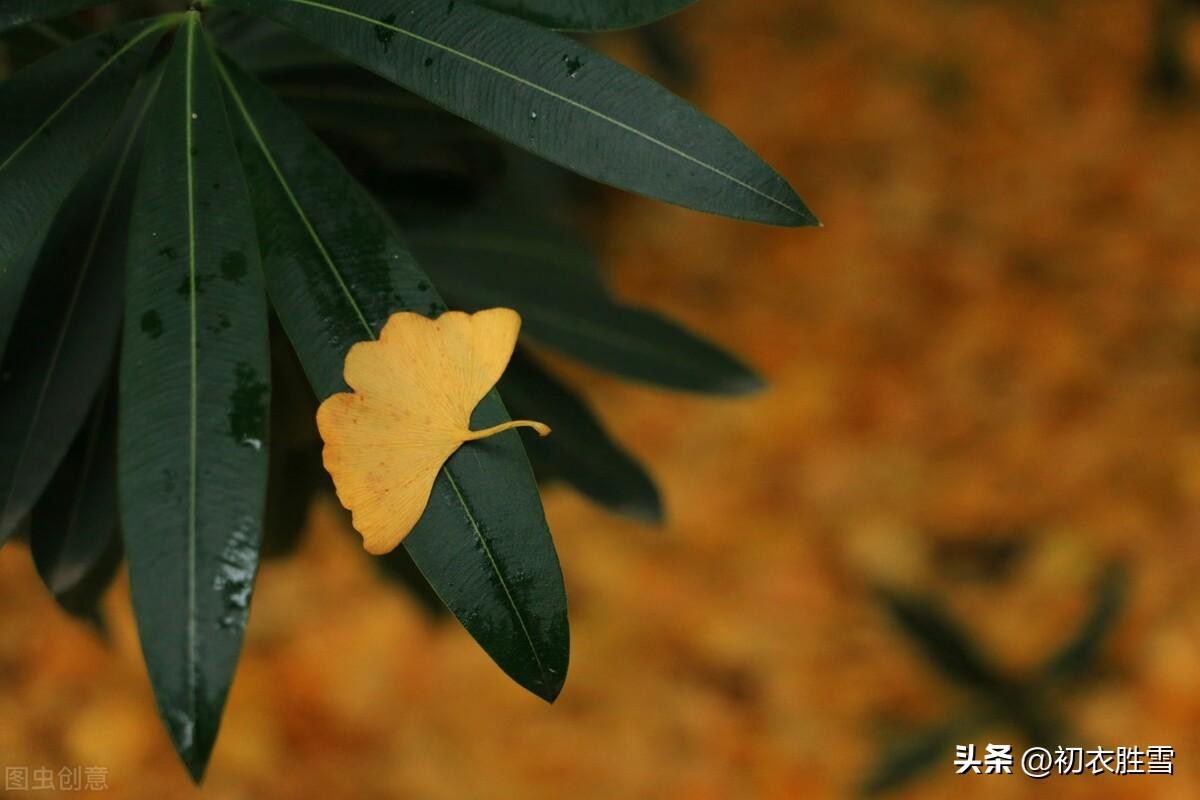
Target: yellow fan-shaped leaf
413,393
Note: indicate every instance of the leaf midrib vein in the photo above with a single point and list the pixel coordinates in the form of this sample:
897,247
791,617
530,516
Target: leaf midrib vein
487,551
189,121
293,200
371,334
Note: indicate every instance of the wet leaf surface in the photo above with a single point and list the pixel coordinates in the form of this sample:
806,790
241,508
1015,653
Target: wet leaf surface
336,270
194,395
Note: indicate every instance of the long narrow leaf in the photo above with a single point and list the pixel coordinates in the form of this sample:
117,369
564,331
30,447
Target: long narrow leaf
57,114
907,758
588,15
550,95
194,401
580,452
261,46
347,98
67,327
399,569
551,279
944,643
335,271
1082,650
296,473
73,535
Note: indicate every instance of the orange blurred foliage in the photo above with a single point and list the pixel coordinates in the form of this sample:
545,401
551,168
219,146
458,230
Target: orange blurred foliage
994,344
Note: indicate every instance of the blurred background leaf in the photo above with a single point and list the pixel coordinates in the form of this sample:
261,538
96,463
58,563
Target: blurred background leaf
73,535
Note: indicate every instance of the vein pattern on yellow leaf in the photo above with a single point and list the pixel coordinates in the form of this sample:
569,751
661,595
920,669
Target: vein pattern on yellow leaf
413,393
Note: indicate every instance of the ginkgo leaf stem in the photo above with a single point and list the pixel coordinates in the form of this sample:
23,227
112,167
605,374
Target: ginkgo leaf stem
541,428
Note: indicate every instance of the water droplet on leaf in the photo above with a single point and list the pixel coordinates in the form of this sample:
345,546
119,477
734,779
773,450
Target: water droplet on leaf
384,32
248,408
573,65
235,575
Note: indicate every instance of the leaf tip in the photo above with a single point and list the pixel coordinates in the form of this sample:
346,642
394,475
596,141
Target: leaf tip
193,746
744,382
551,686
802,217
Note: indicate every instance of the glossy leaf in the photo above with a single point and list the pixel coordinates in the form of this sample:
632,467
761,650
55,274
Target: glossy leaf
588,15
580,451
57,115
194,400
336,271
66,330
73,536
297,476
550,95
21,12
552,281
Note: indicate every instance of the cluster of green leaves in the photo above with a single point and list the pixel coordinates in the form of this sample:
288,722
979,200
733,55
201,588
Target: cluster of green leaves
161,204
1027,703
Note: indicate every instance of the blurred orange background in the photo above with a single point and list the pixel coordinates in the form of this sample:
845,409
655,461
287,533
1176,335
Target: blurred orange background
992,349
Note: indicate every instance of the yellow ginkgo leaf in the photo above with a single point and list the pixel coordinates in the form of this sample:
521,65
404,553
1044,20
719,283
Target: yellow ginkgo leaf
414,391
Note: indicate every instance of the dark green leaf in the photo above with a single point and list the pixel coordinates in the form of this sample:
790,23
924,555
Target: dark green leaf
359,101
335,271
262,46
67,327
580,451
73,536
400,569
57,114
1081,651
918,752
22,12
194,400
400,146
553,282
295,476
296,472
25,45
943,642
588,15
551,95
